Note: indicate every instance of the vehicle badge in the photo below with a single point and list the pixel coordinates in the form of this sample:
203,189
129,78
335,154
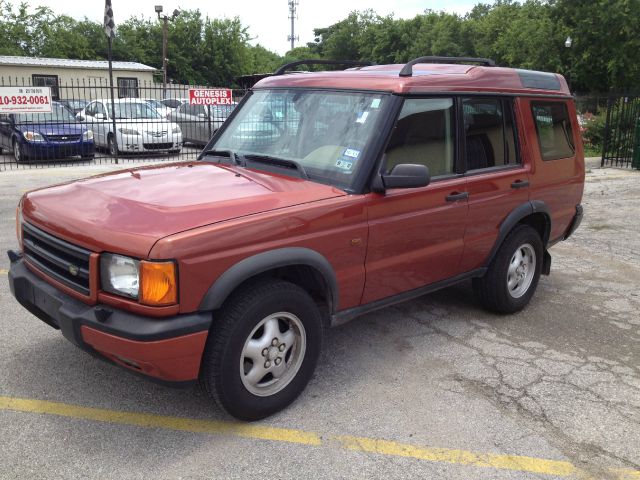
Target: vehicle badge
73,270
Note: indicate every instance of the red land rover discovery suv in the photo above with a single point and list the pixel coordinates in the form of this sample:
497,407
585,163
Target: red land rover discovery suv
324,196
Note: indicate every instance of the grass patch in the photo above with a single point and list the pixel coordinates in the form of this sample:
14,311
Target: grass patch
590,151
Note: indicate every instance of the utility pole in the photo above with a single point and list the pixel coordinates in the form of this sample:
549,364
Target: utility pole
293,5
165,33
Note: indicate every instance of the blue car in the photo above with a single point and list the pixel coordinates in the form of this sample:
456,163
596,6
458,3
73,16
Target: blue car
46,136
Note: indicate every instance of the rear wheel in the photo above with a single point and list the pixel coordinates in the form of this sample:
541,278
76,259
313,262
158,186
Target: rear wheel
262,350
513,275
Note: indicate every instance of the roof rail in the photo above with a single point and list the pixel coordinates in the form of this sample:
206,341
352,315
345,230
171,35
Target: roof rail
316,61
407,70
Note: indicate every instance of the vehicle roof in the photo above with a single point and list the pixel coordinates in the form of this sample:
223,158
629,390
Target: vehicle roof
121,100
427,78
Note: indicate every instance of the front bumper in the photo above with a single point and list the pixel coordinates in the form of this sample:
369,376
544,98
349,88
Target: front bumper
167,349
147,142
45,150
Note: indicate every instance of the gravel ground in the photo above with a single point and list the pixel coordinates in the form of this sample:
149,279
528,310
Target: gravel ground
558,381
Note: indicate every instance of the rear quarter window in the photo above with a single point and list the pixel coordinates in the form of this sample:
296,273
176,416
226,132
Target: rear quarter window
554,131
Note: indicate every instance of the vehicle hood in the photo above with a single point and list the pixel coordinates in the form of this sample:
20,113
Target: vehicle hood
145,125
128,211
52,128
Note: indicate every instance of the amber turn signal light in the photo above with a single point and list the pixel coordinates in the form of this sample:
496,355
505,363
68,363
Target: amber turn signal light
158,283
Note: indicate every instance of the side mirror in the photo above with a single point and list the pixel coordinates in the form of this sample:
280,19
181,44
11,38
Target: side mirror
404,175
80,118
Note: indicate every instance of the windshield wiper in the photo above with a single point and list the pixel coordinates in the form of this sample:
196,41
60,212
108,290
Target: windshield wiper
235,158
280,162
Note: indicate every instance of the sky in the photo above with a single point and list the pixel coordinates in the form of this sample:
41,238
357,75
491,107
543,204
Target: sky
267,19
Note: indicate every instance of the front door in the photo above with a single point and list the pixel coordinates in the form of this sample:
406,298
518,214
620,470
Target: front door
416,235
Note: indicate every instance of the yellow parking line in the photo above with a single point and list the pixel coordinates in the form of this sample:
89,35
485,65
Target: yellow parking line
516,463
3,271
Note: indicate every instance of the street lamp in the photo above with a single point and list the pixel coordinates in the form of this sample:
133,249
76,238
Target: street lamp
165,24
567,43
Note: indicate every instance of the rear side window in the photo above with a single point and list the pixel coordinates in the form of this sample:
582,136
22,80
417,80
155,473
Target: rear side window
489,133
553,127
424,135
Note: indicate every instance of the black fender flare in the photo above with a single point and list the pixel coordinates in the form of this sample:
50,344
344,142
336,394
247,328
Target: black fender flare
515,216
262,262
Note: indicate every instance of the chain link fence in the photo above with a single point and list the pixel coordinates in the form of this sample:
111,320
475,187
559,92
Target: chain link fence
145,122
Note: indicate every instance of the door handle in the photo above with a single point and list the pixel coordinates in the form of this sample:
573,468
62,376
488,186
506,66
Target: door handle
454,197
520,184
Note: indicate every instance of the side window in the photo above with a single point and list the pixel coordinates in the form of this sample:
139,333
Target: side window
424,134
489,133
90,109
100,109
554,131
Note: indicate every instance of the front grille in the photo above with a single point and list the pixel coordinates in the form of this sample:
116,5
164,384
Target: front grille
63,138
157,146
60,260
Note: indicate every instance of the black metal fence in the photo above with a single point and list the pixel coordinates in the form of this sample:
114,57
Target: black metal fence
621,145
146,123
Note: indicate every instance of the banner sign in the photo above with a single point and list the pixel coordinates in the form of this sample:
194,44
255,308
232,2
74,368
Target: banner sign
25,100
210,96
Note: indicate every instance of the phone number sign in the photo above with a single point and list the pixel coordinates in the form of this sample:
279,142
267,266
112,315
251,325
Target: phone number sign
210,96
25,99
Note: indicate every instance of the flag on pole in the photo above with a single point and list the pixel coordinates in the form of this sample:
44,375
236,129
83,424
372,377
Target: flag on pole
109,24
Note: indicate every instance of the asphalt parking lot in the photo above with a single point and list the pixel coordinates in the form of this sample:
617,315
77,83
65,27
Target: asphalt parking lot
435,388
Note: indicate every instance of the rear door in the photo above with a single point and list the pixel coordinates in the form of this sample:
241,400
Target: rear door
497,175
416,235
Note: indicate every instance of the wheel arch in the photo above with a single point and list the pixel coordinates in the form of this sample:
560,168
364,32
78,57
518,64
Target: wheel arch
534,213
302,266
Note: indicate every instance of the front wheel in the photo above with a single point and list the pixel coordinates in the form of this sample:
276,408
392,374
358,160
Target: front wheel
112,146
513,275
18,152
262,349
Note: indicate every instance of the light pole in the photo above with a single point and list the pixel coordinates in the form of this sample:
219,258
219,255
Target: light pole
165,25
567,43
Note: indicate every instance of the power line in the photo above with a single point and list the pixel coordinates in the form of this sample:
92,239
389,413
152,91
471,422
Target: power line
293,16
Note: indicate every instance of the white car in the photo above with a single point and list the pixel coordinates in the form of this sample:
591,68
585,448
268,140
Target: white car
140,128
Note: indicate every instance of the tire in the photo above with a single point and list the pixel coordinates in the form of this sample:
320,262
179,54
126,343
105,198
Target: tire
88,157
254,314
18,152
175,152
513,275
112,147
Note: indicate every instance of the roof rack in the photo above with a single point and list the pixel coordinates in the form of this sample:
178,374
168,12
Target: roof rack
407,70
352,63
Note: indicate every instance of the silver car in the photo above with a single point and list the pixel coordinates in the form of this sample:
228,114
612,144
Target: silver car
199,122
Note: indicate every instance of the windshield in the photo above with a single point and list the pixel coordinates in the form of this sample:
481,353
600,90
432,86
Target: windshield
135,110
58,114
326,133
155,103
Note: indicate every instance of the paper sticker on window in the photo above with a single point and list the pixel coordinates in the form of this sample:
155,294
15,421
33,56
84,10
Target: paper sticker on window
375,103
350,152
345,165
362,117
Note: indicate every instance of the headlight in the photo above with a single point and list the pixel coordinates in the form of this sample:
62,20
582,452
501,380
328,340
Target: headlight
88,135
33,136
129,131
176,129
120,275
151,283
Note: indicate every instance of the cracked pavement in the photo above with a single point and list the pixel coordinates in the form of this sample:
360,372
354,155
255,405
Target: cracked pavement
559,380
